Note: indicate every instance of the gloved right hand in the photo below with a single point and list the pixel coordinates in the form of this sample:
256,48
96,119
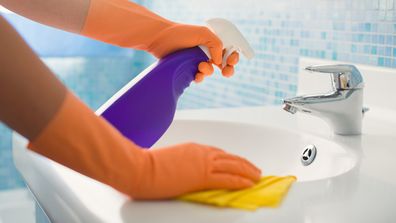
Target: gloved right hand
183,168
88,144
206,68
127,24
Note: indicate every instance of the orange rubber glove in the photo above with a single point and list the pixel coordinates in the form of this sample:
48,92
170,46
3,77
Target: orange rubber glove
88,144
124,23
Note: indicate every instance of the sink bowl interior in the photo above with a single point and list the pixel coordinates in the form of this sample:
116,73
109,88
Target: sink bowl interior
275,151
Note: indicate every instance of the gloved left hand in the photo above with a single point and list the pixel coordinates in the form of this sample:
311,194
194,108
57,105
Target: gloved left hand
127,24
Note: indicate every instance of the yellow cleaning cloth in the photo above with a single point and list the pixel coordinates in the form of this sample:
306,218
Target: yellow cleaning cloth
268,192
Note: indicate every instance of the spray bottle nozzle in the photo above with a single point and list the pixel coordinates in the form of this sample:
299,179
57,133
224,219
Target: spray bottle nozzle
232,38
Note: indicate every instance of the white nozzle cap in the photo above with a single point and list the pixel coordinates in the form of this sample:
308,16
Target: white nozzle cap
232,38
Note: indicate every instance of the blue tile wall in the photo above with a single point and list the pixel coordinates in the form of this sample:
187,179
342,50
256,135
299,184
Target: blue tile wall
9,177
281,31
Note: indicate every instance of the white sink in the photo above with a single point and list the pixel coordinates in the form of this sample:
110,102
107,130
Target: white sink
275,151
67,196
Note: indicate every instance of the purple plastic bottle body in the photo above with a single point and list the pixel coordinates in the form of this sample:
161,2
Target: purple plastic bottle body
146,110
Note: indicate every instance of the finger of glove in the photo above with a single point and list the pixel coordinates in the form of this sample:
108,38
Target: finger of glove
233,59
214,44
228,156
229,181
199,77
205,68
236,167
228,71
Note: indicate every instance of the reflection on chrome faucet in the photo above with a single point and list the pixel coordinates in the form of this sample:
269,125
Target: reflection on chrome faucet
342,108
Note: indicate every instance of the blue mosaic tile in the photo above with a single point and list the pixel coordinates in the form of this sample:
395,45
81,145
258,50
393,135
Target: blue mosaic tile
362,35
9,176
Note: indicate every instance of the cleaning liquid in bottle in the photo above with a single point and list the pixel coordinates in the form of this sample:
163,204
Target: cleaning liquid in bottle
144,108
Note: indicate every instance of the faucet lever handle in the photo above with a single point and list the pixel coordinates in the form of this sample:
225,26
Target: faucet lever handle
344,76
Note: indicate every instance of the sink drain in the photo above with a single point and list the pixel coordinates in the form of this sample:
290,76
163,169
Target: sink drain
308,155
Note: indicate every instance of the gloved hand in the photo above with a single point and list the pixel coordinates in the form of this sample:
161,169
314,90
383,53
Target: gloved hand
206,68
127,24
178,169
88,144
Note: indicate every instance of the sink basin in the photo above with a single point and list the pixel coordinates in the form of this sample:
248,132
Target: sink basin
275,151
67,196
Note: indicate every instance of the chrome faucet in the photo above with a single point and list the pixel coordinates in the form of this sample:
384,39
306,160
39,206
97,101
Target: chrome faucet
342,108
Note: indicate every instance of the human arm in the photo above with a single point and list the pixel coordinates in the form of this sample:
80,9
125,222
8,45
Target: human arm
29,93
127,24
59,126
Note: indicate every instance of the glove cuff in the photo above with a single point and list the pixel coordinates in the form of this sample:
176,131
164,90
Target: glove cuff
88,144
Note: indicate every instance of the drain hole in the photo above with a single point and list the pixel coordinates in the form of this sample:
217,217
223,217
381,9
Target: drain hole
309,154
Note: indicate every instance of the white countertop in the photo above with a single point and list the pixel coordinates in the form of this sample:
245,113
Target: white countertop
367,193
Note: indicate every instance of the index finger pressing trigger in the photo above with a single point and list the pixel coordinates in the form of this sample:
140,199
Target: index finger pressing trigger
233,58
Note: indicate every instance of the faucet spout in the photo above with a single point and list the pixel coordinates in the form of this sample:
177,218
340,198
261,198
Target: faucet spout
312,103
289,108
342,108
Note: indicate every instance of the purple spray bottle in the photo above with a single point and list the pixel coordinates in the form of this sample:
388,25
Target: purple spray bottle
144,108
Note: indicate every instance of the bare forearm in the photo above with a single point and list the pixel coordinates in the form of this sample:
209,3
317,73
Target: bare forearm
68,15
30,94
